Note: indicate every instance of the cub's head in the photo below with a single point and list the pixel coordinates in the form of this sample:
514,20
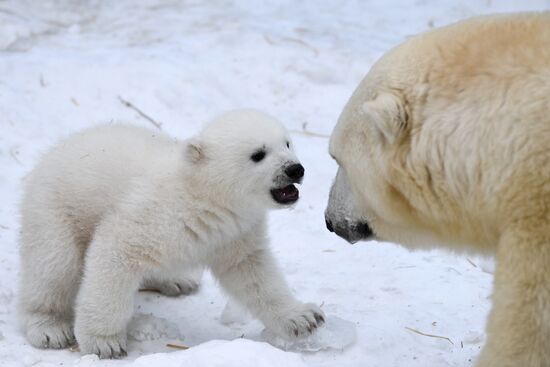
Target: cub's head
367,144
247,156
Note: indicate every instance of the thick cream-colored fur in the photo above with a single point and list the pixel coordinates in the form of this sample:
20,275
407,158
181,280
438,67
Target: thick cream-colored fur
118,206
447,141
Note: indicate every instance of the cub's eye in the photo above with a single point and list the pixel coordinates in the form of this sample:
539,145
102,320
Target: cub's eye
258,156
287,144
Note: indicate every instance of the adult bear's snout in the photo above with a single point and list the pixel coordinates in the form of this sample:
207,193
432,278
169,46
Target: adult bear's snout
351,232
354,233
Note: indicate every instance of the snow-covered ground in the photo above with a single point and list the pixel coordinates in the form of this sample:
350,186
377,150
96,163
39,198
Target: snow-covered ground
64,65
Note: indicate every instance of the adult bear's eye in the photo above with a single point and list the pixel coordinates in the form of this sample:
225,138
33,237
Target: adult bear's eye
288,144
258,156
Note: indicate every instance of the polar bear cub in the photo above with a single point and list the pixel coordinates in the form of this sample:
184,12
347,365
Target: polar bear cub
116,207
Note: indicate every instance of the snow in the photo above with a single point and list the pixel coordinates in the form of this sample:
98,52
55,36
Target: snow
222,353
63,66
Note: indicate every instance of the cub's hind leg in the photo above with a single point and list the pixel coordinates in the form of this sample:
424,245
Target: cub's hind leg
51,268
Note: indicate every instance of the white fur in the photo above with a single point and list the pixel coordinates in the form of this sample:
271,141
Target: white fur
118,206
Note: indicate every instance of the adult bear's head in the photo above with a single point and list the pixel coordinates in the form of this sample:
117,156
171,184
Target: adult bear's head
366,143
247,158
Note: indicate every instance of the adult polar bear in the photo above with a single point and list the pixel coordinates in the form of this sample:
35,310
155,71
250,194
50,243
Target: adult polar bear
116,206
447,141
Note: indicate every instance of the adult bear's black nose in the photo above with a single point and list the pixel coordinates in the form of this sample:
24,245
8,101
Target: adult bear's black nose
364,229
329,225
295,171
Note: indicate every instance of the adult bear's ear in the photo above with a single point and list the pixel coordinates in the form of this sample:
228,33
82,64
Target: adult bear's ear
388,114
194,150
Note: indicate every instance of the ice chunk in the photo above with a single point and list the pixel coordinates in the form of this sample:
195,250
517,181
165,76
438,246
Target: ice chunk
148,327
337,333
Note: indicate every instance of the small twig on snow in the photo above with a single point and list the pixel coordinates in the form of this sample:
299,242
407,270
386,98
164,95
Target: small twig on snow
175,346
128,104
298,41
471,262
405,267
309,133
302,43
13,154
149,290
429,335
74,348
268,40
43,81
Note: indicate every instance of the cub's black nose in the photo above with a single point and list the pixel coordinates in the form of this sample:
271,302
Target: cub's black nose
295,171
329,225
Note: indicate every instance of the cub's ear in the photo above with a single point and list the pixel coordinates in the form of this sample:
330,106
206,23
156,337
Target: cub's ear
388,114
194,150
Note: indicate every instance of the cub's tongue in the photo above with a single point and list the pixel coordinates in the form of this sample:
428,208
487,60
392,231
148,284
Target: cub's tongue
285,195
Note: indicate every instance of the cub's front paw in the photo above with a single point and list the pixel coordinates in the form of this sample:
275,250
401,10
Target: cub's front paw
110,346
297,321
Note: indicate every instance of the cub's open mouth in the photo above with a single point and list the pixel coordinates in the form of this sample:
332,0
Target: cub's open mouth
286,195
